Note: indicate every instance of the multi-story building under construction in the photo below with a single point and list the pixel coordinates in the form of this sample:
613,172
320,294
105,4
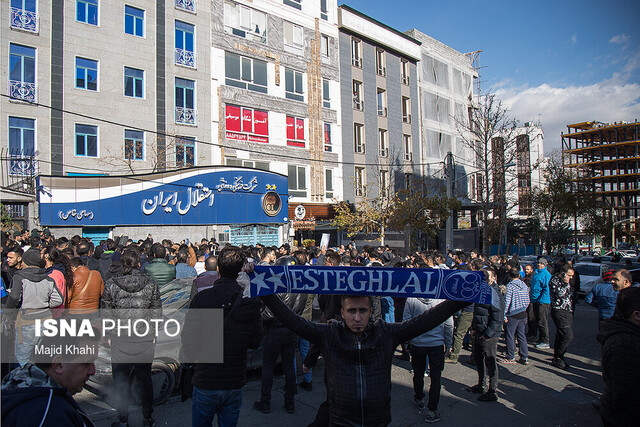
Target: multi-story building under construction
606,160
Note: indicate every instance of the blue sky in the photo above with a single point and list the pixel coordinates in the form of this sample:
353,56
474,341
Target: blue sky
563,61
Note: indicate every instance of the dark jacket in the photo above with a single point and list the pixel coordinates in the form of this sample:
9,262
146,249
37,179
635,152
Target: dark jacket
31,398
560,294
103,264
620,340
487,319
115,269
358,370
242,331
161,271
296,302
135,294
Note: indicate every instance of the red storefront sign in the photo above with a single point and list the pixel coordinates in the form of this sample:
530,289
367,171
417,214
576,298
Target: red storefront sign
295,132
246,124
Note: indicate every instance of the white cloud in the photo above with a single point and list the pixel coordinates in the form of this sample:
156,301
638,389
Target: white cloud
620,39
573,40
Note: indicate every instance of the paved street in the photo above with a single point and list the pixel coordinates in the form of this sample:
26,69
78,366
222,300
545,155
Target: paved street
533,395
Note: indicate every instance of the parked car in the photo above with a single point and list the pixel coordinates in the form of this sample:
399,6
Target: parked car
590,275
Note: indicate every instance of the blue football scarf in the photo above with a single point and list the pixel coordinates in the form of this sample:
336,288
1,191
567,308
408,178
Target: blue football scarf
458,285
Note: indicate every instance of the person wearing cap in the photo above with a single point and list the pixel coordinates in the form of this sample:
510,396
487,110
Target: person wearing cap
603,297
35,293
541,300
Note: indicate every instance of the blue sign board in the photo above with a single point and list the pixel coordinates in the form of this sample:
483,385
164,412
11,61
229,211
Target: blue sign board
196,196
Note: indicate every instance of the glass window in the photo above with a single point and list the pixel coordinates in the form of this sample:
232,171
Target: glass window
358,103
324,45
23,15
185,92
360,182
407,147
382,102
184,44
404,71
22,63
293,85
21,136
382,143
245,22
381,69
406,109
86,74
133,82
86,140
185,151
356,54
25,5
134,21
384,183
295,132
324,11
87,11
293,34
328,183
293,3
133,145
297,181
327,137
245,73
326,95
358,138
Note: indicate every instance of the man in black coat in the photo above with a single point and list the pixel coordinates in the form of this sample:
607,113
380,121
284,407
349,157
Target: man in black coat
218,386
358,354
620,340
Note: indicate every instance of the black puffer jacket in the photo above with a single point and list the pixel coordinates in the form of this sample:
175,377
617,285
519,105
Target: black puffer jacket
296,302
359,369
487,319
131,296
242,331
620,340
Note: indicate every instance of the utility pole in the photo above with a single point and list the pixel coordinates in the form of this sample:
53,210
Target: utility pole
449,225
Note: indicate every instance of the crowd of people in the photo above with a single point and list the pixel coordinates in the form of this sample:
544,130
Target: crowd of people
357,336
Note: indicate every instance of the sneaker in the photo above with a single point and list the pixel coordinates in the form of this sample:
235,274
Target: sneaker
419,403
558,363
506,361
542,346
450,360
476,389
432,417
523,361
489,396
308,386
290,408
265,408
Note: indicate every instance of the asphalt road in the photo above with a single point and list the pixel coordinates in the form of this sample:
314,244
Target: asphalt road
534,395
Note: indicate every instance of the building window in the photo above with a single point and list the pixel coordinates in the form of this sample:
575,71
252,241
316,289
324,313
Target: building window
293,3
293,35
133,21
86,141
382,102
22,72
384,183
361,188
326,95
328,183
406,109
87,11
86,74
381,69
245,22
358,138
358,102
383,144
188,5
133,145
404,71
295,132
185,110
324,10
185,54
293,85
356,52
234,161
133,82
21,136
408,152
327,137
24,16
246,124
245,73
297,181
324,45
185,151
408,180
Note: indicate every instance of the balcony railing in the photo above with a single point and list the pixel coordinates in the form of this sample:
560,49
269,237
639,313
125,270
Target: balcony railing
381,71
185,116
405,80
382,111
356,61
18,169
22,90
358,104
188,5
384,152
186,58
361,190
358,148
406,118
408,156
24,20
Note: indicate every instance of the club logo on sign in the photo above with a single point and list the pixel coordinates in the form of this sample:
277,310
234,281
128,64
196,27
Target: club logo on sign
271,203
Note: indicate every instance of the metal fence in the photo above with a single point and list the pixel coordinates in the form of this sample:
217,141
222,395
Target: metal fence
18,169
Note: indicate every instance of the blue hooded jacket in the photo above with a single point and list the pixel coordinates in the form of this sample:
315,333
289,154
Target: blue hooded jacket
540,286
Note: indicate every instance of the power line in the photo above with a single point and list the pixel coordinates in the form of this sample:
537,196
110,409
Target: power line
213,144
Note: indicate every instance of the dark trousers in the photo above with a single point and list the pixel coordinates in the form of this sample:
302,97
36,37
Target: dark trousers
419,357
532,325
484,354
541,312
142,374
515,329
564,333
279,341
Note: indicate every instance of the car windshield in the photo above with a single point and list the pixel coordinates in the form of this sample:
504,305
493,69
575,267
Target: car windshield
588,270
